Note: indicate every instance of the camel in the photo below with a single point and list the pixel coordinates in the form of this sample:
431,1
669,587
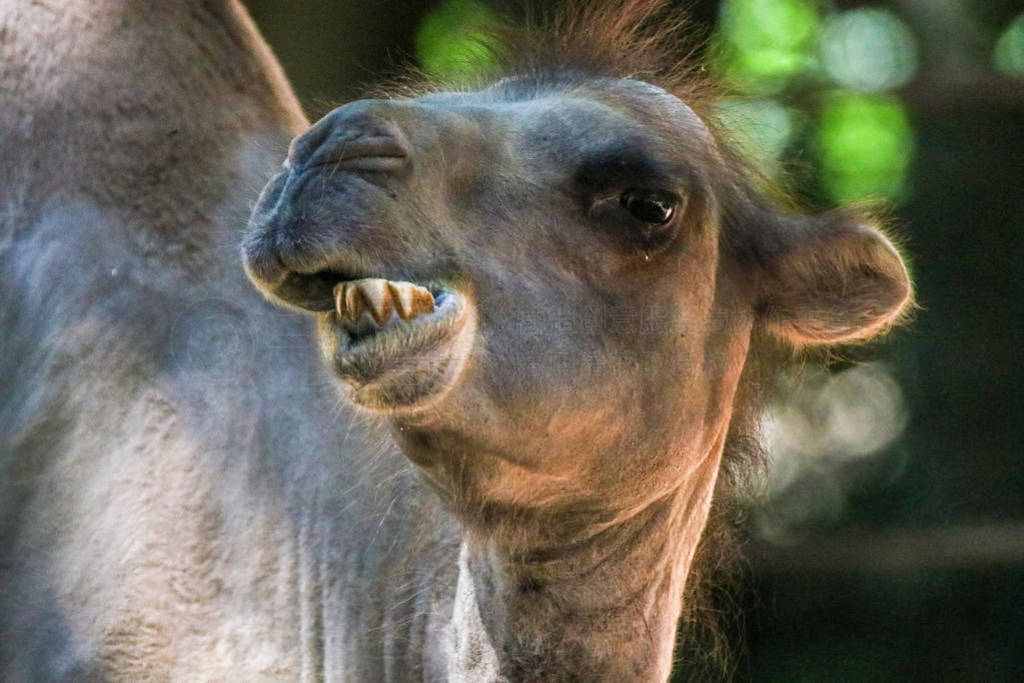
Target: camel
544,301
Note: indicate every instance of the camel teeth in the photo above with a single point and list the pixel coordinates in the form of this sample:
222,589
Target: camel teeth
380,298
411,300
422,301
339,299
401,295
375,293
353,302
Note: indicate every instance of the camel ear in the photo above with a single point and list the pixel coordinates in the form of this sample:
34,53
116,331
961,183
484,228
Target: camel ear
829,279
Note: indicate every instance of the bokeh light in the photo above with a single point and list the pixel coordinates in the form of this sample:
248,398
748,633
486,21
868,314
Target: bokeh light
450,44
821,424
849,414
1009,52
767,42
866,143
868,49
760,129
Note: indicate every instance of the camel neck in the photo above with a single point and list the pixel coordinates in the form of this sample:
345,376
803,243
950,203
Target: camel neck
603,609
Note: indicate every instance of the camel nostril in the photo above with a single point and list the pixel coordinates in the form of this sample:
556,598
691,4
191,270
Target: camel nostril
367,153
353,136
303,146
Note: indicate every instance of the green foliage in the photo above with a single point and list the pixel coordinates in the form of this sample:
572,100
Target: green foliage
450,44
786,49
865,143
1009,52
767,42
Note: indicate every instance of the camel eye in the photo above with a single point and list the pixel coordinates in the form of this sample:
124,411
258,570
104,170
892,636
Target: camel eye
650,206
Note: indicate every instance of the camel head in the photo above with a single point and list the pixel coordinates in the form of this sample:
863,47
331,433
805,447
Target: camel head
550,284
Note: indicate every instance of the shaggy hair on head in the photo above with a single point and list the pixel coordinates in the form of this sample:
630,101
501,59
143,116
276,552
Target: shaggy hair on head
574,41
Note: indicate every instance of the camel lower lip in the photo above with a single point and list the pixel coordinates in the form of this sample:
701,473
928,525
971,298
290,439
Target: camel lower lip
392,347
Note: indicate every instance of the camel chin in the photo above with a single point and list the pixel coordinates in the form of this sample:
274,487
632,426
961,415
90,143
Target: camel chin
398,346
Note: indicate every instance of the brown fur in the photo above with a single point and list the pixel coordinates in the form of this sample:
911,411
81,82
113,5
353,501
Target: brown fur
575,42
181,503
579,528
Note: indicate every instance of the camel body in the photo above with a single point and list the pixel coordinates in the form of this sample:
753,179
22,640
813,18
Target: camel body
182,493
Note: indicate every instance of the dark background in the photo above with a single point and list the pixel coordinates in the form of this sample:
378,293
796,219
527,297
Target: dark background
905,563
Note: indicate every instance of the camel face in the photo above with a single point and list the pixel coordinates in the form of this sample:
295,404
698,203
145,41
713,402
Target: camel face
561,274
563,245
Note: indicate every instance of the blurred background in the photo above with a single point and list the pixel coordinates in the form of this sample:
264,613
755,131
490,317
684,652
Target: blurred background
887,541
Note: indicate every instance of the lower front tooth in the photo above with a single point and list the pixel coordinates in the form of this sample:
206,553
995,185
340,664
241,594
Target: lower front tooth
339,299
422,301
401,294
353,302
375,292
410,299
